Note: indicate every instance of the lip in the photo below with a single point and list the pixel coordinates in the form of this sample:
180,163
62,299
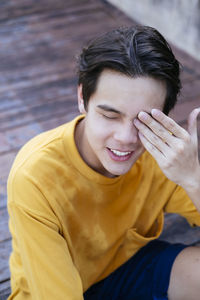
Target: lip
119,158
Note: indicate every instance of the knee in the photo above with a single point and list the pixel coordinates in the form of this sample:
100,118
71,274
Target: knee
185,275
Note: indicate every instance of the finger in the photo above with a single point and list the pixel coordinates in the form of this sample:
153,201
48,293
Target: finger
155,140
192,124
151,148
169,124
157,128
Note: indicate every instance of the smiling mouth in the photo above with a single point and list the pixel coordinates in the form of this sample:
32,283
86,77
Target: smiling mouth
119,156
120,153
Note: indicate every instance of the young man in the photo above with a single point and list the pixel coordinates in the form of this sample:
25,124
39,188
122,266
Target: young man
87,199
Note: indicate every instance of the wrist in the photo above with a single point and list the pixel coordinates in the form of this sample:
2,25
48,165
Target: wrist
193,186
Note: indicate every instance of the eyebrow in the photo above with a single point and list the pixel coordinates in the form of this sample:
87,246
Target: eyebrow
109,108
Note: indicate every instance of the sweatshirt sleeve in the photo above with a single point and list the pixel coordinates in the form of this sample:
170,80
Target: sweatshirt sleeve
181,204
46,261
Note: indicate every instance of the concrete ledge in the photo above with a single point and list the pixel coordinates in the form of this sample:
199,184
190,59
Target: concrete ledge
177,20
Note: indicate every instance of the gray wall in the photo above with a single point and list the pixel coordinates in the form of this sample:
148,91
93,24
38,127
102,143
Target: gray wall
177,20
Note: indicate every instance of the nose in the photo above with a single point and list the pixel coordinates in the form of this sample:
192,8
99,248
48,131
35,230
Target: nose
126,134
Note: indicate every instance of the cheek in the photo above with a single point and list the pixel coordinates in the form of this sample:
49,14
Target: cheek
100,128
100,133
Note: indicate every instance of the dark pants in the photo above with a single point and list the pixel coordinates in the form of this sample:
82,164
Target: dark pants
145,276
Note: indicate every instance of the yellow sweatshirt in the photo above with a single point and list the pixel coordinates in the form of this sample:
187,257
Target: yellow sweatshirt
71,226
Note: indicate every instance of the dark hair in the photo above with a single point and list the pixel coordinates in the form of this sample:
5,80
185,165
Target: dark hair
134,51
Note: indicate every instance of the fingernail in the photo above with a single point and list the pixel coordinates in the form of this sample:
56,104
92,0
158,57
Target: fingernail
136,121
142,115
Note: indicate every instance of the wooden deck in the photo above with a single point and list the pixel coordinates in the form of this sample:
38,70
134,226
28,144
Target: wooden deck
39,42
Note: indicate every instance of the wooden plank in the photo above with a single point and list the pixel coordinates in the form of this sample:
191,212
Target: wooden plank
30,124
3,186
191,90
14,138
4,289
4,230
50,48
177,230
8,101
5,250
6,161
3,200
58,120
12,9
37,90
188,74
187,60
26,26
35,114
181,111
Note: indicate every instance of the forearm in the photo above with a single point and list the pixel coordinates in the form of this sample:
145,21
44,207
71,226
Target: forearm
193,190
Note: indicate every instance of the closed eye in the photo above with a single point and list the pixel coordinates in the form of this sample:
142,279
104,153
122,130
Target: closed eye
109,117
108,112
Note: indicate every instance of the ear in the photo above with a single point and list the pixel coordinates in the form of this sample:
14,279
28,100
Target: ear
80,100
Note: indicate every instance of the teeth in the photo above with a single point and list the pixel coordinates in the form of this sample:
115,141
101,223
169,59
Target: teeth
119,153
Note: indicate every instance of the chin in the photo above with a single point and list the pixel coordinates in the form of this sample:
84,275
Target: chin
117,172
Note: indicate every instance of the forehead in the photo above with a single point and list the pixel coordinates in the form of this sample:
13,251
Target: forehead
126,93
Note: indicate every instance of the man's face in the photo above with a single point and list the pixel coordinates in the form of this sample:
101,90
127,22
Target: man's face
107,138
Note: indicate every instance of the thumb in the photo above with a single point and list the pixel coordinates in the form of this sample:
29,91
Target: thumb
192,123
